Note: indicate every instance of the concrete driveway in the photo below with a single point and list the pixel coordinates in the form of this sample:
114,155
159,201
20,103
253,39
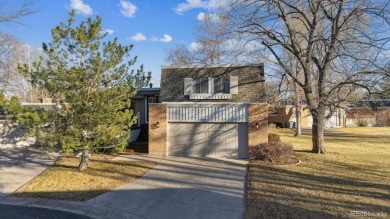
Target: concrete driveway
20,165
181,187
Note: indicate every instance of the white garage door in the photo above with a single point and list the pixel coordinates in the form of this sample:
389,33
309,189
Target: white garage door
207,140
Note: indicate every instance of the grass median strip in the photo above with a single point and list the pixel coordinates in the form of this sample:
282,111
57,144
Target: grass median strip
352,177
64,181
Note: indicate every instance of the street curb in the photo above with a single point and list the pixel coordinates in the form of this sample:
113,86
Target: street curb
81,208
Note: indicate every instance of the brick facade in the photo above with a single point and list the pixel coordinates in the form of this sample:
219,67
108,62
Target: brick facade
251,86
157,135
257,124
282,115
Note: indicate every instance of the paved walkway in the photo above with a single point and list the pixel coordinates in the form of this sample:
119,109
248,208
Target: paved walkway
20,165
181,187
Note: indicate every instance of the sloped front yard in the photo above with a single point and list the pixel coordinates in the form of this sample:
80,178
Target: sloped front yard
64,181
351,180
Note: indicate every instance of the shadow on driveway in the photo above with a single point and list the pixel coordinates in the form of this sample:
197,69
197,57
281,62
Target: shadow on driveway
20,165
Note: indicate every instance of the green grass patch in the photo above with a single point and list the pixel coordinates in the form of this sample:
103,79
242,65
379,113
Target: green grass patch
64,181
352,176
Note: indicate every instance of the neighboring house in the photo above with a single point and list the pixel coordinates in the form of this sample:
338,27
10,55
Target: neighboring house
284,117
209,111
44,104
369,113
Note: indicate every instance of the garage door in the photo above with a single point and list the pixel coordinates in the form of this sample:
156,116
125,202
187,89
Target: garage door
228,140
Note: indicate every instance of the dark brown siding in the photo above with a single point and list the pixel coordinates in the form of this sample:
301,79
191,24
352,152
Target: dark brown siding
251,87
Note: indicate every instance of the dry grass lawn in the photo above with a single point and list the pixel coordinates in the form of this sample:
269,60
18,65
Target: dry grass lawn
353,176
64,181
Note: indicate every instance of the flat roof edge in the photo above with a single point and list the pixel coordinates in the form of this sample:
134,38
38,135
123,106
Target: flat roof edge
209,103
212,66
37,104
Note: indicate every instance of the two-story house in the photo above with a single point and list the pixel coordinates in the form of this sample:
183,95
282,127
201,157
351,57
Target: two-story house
209,111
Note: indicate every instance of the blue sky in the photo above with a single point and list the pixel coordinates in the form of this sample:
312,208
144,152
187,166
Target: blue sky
152,26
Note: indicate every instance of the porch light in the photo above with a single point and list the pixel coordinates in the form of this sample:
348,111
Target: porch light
158,125
257,125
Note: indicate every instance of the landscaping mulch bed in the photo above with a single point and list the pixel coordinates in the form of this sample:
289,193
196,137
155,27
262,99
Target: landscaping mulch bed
288,162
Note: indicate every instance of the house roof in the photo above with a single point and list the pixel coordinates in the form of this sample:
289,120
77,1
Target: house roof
212,66
371,103
147,92
35,106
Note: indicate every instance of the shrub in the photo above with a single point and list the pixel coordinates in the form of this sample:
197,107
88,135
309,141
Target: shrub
383,118
362,122
271,152
271,127
273,137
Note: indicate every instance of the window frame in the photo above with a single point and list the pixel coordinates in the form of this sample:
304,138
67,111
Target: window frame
195,88
200,82
224,83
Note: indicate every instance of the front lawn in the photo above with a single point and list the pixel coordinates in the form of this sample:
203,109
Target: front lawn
352,179
64,181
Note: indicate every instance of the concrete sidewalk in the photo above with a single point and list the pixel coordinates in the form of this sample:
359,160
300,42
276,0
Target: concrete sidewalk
20,165
181,187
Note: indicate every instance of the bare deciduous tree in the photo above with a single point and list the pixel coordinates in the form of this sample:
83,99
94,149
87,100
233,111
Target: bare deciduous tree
12,83
12,51
9,78
340,48
215,44
8,14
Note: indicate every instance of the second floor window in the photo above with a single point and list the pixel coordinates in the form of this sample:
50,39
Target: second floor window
201,86
221,86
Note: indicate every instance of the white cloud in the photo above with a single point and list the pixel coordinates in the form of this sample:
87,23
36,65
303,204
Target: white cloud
194,46
201,16
165,39
188,5
138,37
204,4
108,31
128,9
80,7
242,45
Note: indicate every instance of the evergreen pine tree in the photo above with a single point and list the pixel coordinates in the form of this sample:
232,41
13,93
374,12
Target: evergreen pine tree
91,81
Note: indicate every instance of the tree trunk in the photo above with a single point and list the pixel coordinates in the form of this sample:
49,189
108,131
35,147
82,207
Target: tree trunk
84,160
318,133
298,114
298,108
298,111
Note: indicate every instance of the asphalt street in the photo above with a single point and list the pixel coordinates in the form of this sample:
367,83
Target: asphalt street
23,212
